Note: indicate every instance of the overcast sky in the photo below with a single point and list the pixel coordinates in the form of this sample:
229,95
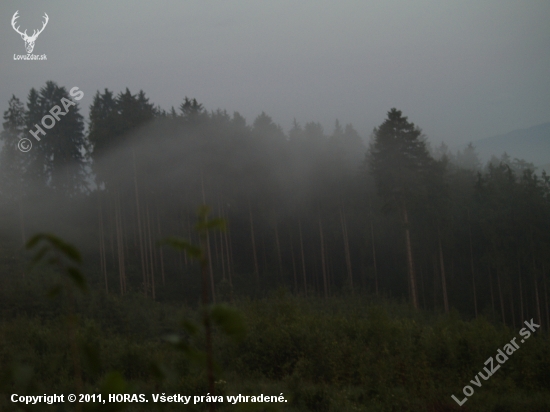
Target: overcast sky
461,70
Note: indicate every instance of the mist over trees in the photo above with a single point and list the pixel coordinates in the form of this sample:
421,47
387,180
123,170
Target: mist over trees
315,211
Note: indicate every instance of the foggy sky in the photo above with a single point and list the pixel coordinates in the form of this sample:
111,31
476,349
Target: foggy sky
460,70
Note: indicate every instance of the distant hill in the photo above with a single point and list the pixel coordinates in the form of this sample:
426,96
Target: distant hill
531,144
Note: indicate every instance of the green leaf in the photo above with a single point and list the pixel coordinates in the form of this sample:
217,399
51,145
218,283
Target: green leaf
68,250
39,255
216,223
181,244
77,278
33,241
113,383
189,327
203,211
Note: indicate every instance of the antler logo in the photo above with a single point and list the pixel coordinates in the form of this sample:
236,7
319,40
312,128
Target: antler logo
29,40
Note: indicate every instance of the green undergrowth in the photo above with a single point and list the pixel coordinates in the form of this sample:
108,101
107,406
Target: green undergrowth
340,354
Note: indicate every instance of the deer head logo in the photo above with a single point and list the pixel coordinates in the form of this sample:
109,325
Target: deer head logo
29,40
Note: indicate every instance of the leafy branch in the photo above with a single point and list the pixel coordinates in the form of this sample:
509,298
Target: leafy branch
56,252
226,318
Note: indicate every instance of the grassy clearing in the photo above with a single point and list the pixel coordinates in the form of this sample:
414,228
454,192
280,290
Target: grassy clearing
353,354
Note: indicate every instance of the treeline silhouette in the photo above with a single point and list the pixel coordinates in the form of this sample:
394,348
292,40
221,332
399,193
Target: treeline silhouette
319,214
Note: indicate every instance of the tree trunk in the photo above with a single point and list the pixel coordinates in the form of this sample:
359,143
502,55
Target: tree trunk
160,250
206,320
213,290
323,263
410,263
513,309
537,301
112,224
264,253
217,254
148,278
212,285
303,258
293,266
230,262
500,297
279,259
520,291
221,234
22,228
436,276
151,255
374,259
102,254
346,246
126,238
71,331
472,265
491,288
329,273
228,252
314,281
120,246
546,300
256,269
184,227
140,232
423,290
535,280
443,278
218,251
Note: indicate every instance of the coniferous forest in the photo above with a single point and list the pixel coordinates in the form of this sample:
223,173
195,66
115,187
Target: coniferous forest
348,272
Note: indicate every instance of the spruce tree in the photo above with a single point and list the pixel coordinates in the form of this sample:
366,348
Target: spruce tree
400,163
12,160
59,159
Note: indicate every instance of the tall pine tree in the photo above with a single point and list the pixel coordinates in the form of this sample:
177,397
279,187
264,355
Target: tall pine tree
400,163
